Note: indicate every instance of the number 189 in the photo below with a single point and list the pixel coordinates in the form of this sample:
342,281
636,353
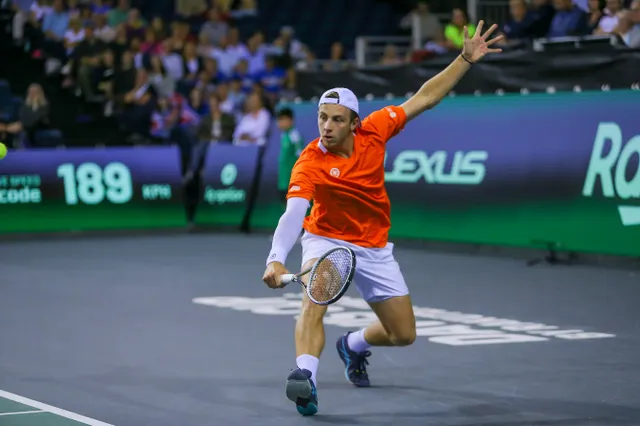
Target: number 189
90,184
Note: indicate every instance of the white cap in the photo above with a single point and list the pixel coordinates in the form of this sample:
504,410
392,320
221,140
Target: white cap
346,98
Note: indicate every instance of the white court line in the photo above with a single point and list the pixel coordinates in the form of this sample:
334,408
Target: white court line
52,409
21,412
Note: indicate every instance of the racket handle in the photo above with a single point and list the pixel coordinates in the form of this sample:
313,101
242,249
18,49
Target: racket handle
287,278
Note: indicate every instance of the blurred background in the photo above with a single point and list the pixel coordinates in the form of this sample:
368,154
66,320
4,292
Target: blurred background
140,114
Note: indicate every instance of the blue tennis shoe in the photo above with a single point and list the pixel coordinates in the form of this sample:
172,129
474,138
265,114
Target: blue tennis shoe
301,390
355,363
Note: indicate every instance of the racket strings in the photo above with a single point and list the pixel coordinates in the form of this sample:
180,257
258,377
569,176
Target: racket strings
330,276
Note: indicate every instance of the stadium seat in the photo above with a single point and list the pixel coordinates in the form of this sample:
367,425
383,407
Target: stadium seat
48,138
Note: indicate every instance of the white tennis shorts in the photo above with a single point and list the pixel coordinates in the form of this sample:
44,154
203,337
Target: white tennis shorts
377,277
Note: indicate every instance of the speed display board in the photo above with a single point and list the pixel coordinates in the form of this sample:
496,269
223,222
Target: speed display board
46,190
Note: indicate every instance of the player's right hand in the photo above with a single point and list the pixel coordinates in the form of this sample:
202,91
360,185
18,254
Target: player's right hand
273,274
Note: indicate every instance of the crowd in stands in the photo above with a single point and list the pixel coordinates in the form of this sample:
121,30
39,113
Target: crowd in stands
197,78
532,19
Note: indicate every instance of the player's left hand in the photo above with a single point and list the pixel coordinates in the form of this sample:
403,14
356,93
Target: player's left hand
478,46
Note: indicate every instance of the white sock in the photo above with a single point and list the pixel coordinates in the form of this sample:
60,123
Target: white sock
356,341
309,362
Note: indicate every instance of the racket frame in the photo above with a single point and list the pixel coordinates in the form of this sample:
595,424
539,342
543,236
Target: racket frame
289,278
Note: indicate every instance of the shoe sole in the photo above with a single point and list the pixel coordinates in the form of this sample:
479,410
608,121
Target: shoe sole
299,391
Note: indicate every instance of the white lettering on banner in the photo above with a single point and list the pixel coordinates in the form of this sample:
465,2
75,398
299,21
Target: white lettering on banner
410,166
612,167
438,325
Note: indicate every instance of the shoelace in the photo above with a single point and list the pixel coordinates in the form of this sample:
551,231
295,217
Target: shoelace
362,362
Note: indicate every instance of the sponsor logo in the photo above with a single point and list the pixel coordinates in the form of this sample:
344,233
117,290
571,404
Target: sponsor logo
228,177
467,168
335,172
616,166
437,325
20,189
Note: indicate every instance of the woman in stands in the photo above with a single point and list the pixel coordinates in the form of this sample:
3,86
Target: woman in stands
33,116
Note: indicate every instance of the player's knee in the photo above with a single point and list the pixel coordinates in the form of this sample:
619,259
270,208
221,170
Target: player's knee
312,311
404,338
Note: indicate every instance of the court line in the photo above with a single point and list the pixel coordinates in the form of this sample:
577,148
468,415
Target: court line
51,409
16,413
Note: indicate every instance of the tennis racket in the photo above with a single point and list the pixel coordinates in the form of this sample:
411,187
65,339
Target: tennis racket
330,278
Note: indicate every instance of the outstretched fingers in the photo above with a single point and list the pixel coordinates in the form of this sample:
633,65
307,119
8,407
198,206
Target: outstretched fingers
495,40
489,31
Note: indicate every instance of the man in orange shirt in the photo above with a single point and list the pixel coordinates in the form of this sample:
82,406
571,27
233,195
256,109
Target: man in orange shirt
342,172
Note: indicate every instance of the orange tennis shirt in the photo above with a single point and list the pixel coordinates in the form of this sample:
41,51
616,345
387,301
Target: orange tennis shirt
350,202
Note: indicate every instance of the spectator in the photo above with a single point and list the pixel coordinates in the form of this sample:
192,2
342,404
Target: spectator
213,31
141,104
569,20
159,78
242,74
135,24
86,15
88,58
611,18
255,55
100,7
197,103
390,56
594,14
33,116
629,26
290,148
228,104
189,8
102,29
158,26
272,79
337,58
217,126
21,9
543,12
178,38
254,125
151,45
74,35
247,9
54,27
119,44
519,25
292,46
454,32
73,8
430,27
192,63
106,74
119,15
124,80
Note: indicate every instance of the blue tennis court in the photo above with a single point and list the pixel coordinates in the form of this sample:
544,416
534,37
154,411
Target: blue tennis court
180,330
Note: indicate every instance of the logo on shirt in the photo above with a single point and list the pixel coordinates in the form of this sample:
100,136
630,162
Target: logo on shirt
392,113
294,188
335,172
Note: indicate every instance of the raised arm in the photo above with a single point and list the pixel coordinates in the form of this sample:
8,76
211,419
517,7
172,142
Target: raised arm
435,89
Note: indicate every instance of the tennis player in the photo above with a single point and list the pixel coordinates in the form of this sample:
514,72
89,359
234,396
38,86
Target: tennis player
342,172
